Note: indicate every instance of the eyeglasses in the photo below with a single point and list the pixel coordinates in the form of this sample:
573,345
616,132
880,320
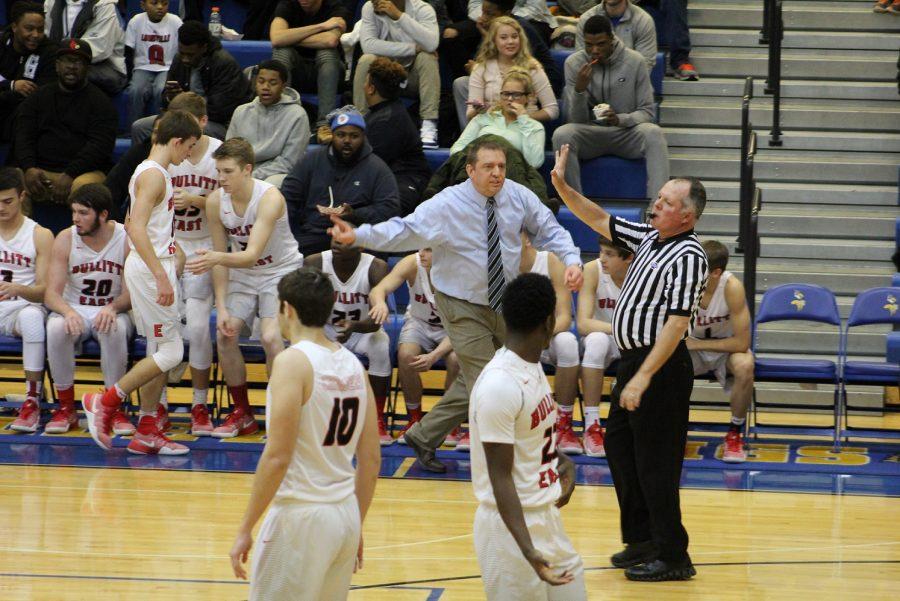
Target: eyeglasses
512,95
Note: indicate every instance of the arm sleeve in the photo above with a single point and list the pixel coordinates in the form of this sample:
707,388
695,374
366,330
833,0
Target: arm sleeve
497,404
103,33
293,150
423,28
419,229
646,108
533,137
370,40
628,233
100,140
25,146
687,279
386,199
476,84
544,92
545,230
576,103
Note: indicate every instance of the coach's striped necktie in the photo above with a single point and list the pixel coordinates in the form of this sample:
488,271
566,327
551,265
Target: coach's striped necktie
496,280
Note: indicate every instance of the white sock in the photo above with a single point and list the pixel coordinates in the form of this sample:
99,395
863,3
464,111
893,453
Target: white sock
164,398
199,397
738,422
591,416
142,413
566,409
412,406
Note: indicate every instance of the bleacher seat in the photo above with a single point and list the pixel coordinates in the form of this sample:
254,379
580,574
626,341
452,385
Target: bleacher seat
121,147
893,347
250,52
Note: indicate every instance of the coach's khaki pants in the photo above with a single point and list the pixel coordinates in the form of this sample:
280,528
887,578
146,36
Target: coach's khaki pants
423,78
476,332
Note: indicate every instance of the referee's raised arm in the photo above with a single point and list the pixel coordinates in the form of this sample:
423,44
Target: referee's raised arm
589,212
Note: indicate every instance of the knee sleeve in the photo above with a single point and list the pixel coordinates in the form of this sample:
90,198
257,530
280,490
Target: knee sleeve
30,323
596,350
197,312
377,348
114,351
60,352
565,347
168,354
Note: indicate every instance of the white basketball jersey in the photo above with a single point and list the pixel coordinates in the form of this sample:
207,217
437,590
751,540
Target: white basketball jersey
18,256
351,298
715,320
281,254
541,264
421,298
161,225
511,386
200,179
95,277
321,468
607,295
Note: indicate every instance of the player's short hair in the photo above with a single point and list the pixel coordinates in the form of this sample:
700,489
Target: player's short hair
387,76
238,149
527,302
94,196
479,145
273,65
177,124
696,198
189,102
716,254
309,291
192,33
11,178
598,24
22,8
623,251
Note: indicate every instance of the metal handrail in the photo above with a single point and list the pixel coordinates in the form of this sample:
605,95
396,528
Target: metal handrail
775,26
764,32
751,254
748,147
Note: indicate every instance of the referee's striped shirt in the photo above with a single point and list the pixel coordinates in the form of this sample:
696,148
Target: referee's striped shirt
665,278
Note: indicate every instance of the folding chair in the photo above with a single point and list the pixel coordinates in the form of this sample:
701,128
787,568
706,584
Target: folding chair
797,302
873,306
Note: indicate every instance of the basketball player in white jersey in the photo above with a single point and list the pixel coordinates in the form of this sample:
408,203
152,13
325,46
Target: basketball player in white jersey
603,279
319,415
24,257
563,351
193,180
250,216
720,343
152,284
519,479
353,274
88,299
423,340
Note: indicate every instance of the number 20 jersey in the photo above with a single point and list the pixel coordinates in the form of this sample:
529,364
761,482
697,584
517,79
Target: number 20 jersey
321,468
95,277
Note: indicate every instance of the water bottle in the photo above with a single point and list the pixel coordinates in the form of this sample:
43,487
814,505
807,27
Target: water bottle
215,24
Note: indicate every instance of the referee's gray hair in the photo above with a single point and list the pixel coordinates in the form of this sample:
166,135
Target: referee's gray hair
696,198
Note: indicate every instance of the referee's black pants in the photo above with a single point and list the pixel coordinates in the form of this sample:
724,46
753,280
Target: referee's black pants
645,451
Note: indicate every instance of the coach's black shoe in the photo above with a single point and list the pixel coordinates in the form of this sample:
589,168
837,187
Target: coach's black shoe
659,570
425,456
635,554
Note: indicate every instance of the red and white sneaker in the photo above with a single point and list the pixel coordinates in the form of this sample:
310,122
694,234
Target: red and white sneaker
99,419
29,417
383,437
593,441
62,420
733,449
566,440
150,441
201,425
453,438
121,425
238,423
162,418
414,416
464,444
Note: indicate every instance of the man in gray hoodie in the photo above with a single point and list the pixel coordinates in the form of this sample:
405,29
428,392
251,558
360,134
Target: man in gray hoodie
275,124
609,101
632,25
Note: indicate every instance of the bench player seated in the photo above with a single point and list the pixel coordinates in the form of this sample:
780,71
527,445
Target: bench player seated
603,279
353,274
720,343
563,350
86,295
423,340
249,216
24,257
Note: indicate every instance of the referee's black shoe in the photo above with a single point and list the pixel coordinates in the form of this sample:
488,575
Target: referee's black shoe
425,456
635,554
659,570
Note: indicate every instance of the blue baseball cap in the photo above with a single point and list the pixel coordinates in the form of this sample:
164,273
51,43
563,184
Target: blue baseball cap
348,117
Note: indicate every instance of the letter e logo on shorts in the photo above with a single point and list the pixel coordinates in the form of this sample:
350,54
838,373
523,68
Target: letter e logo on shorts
157,330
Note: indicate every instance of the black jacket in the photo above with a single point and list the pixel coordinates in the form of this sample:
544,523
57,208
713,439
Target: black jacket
224,85
367,185
394,138
119,176
38,67
71,132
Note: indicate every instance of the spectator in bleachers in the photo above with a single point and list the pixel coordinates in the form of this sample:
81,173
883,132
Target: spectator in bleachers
406,31
151,41
96,22
504,46
535,11
344,178
673,14
575,8
26,61
540,50
509,118
275,124
306,38
118,177
25,250
65,132
632,26
259,19
204,67
392,133
609,101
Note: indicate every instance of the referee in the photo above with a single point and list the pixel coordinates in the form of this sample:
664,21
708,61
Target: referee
647,428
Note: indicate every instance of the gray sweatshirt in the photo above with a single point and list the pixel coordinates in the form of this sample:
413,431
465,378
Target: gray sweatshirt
279,133
623,83
636,30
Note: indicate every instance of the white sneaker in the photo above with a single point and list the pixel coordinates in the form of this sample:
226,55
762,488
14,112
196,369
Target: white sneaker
429,134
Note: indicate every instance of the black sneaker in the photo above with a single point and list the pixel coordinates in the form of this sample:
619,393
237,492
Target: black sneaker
659,570
635,554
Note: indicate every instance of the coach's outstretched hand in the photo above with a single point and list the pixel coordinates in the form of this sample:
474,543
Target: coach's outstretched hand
342,231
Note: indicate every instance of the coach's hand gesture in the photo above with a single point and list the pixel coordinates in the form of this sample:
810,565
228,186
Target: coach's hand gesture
544,571
239,553
342,231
